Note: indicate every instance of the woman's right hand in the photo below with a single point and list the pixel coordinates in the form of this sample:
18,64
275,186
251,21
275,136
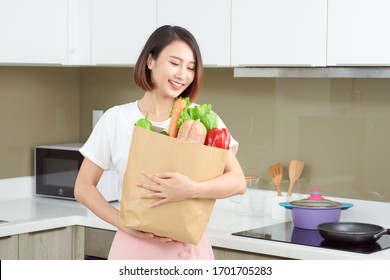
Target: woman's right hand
146,235
87,194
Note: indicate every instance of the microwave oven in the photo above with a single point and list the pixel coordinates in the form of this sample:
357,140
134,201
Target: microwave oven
56,168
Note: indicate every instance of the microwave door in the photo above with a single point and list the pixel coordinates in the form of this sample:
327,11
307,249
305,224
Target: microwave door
60,175
56,172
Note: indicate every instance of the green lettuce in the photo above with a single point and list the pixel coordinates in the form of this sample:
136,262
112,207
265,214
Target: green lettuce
202,113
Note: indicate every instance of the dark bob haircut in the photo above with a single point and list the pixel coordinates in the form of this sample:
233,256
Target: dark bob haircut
159,39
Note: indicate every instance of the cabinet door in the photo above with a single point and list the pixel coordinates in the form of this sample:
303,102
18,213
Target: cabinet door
358,32
98,243
119,30
53,244
279,32
33,32
9,247
79,32
208,21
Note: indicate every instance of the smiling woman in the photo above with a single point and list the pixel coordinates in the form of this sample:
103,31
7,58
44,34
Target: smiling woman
189,56
174,72
169,67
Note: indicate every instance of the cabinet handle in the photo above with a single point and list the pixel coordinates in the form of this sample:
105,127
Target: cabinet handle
213,65
363,64
46,230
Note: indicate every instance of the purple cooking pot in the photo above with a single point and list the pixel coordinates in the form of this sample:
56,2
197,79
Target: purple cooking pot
309,212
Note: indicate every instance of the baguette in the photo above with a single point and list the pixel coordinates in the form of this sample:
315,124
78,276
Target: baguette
192,131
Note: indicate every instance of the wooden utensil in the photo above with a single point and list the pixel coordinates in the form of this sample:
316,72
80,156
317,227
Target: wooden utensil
294,172
276,174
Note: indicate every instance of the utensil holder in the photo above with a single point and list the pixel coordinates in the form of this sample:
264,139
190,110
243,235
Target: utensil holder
278,212
242,204
257,202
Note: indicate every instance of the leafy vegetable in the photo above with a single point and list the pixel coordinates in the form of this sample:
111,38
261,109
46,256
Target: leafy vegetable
200,112
144,123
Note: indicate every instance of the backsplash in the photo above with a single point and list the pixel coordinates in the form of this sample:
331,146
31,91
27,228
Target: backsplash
338,127
38,105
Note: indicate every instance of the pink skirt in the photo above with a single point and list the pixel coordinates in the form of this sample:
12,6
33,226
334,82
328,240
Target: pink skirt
127,247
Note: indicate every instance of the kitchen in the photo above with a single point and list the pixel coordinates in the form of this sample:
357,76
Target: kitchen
337,125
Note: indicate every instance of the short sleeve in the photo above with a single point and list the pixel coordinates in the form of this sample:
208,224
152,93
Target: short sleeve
97,148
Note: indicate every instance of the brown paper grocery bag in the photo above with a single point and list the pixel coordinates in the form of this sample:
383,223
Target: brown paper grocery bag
184,221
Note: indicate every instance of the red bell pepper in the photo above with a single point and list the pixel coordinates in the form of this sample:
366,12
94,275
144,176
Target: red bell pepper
219,138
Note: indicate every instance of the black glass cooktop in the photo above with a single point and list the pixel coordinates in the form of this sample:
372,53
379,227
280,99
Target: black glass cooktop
286,232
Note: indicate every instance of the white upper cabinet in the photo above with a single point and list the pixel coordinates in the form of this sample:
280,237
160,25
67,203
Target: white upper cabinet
230,33
33,32
279,32
208,21
358,32
119,30
79,32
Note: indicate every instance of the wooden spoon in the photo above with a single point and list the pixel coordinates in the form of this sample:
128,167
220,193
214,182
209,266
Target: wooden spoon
276,174
294,172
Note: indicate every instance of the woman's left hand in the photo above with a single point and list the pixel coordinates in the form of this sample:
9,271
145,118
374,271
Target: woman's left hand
167,187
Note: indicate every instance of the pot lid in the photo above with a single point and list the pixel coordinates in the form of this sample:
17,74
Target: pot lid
316,200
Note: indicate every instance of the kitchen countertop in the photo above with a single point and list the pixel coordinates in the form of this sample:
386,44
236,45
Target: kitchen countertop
220,236
27,214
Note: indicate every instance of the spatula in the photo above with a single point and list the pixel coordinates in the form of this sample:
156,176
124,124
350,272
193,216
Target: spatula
276,174
294,172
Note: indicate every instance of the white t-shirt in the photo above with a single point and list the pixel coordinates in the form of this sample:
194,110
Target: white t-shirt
109,143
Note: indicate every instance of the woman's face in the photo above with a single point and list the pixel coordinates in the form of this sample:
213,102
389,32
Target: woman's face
174,70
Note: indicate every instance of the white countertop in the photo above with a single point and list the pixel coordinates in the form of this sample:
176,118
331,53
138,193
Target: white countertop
29,213
224,222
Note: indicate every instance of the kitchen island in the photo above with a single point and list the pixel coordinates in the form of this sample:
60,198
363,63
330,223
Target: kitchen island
36,214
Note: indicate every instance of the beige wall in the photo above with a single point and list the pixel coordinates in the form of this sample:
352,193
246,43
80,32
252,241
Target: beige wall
38,105
102,88
339,127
